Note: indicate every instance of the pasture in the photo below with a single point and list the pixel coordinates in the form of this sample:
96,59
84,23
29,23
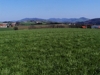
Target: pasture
58,51
6,29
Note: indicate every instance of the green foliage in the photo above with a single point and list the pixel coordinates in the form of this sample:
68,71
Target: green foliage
50,52
27,23
15,28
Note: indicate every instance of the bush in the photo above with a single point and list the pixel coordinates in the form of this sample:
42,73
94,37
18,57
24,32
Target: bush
15,28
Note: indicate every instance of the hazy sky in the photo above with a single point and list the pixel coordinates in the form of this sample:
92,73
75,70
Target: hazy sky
18,9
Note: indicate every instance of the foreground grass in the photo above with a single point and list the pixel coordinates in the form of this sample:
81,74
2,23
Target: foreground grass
6,29
50,52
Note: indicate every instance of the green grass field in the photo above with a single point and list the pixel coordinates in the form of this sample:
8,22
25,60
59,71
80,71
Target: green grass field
50,52
6,29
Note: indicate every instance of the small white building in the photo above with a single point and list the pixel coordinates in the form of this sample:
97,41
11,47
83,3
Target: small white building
95,26
3,25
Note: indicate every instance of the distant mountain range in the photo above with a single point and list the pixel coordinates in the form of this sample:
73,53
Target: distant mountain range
32,19
82,19
95,21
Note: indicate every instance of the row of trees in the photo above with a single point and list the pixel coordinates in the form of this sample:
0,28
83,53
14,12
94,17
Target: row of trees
52,24
79,25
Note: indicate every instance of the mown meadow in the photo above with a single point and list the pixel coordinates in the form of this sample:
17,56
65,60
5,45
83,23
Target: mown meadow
58,51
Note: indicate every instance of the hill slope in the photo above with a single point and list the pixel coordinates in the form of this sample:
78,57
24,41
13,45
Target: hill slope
95,21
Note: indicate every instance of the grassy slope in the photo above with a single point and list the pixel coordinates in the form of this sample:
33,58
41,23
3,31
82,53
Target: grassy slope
50,52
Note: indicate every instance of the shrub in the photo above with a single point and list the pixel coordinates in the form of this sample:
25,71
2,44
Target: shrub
15,28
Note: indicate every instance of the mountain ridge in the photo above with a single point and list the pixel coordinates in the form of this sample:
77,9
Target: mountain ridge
81,19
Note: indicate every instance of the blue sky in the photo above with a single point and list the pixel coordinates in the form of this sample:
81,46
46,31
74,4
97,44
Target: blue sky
19,9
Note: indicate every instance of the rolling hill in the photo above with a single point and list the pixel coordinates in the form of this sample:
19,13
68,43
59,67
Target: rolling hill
95,21
82,19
